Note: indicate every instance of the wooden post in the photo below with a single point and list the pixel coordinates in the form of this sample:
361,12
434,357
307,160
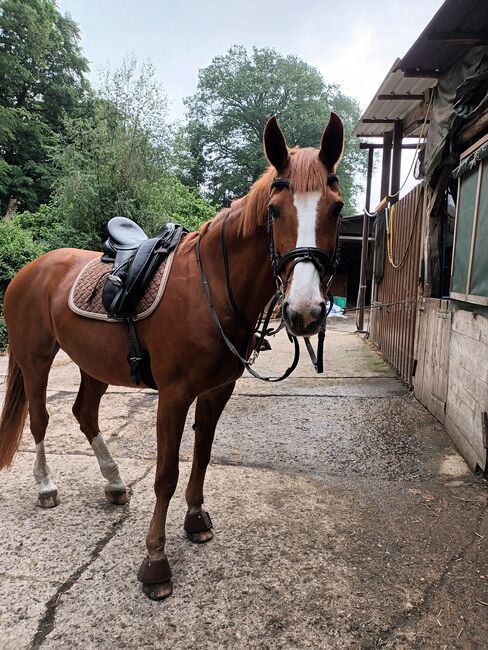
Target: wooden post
364,248
384,193
397,160
386,164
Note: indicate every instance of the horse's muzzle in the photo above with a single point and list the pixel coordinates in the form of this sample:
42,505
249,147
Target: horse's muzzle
304,324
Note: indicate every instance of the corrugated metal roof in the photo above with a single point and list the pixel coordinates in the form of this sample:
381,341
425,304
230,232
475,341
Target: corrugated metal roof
455,28
395,83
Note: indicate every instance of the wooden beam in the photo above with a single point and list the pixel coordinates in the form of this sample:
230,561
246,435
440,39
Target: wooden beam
459,37
386,164
406,96
474,127
377,145
411,120
374,120
396,161
364,246
425,74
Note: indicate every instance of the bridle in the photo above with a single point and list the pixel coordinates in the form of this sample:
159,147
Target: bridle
325,264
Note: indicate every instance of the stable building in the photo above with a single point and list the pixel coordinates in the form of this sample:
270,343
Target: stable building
429,289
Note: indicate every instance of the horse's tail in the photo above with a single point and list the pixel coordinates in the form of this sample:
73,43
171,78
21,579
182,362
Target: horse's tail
14,413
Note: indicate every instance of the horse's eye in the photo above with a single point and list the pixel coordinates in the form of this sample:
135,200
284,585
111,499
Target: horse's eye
336,212
274,211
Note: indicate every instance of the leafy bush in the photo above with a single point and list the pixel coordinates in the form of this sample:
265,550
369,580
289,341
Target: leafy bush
17,248
49,229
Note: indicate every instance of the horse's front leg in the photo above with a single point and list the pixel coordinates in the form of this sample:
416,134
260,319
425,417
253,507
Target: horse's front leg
208,411
155,572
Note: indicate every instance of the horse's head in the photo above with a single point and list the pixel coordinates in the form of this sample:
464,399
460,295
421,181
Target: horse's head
303,212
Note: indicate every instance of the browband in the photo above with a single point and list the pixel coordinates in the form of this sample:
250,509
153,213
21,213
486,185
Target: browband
280,182
284,182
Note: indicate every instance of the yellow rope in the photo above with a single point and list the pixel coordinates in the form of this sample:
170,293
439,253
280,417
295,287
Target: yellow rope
389,239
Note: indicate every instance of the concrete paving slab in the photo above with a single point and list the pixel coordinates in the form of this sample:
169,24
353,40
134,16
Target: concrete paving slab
343,516
246,586
41,549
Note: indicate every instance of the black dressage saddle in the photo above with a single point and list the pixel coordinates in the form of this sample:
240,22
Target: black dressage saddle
135,260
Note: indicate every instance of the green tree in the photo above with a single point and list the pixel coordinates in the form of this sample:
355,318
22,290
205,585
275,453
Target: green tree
117,159
236,95
41,81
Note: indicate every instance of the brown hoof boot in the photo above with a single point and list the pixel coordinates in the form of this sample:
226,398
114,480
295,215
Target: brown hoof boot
198,527
158,590
48,499
155,576
119,497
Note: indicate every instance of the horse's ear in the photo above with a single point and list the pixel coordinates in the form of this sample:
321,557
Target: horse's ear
332,143
275,145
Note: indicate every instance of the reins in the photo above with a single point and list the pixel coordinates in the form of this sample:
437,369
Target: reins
323,262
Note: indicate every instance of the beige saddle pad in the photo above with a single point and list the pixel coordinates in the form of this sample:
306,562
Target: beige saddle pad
85,297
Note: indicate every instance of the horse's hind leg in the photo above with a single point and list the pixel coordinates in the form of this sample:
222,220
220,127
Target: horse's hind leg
208,411
85,409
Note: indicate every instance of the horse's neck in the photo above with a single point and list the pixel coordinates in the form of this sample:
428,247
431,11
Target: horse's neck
251,277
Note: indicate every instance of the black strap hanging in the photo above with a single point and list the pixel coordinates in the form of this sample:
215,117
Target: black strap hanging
247,363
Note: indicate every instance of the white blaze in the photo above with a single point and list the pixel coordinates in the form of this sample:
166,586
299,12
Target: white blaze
305,287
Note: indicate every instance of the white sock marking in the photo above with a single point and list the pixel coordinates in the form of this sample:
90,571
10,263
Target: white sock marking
42,473
305,286
108,466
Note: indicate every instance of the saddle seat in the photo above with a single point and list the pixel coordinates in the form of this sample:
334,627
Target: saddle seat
135,259
123,234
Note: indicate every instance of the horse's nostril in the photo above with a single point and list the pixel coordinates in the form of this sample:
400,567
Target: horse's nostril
317,312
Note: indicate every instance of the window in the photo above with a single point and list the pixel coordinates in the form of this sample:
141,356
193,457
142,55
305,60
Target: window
469,276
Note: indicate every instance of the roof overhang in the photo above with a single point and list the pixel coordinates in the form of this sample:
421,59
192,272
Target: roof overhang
398,98
456,27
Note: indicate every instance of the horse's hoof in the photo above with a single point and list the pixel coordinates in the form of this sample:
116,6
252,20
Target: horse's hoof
198,527
158,590
48,500
202,537
119,497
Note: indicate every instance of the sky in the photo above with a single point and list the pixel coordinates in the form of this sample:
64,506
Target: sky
352,42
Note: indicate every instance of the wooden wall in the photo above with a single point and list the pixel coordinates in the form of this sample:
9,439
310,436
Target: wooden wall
392,327
451,377
432,355
467,396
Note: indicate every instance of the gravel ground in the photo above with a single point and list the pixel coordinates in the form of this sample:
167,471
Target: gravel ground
343,516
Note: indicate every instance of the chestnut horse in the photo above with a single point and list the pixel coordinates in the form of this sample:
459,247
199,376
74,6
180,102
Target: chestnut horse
189,359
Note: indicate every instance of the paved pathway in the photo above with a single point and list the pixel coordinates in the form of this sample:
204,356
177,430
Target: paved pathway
343,519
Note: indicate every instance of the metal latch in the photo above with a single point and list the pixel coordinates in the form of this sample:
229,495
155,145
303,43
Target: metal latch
444,314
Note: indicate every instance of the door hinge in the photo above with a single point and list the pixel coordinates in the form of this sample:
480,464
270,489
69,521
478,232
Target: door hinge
438,401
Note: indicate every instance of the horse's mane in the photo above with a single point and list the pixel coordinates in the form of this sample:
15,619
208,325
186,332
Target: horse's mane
305,172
